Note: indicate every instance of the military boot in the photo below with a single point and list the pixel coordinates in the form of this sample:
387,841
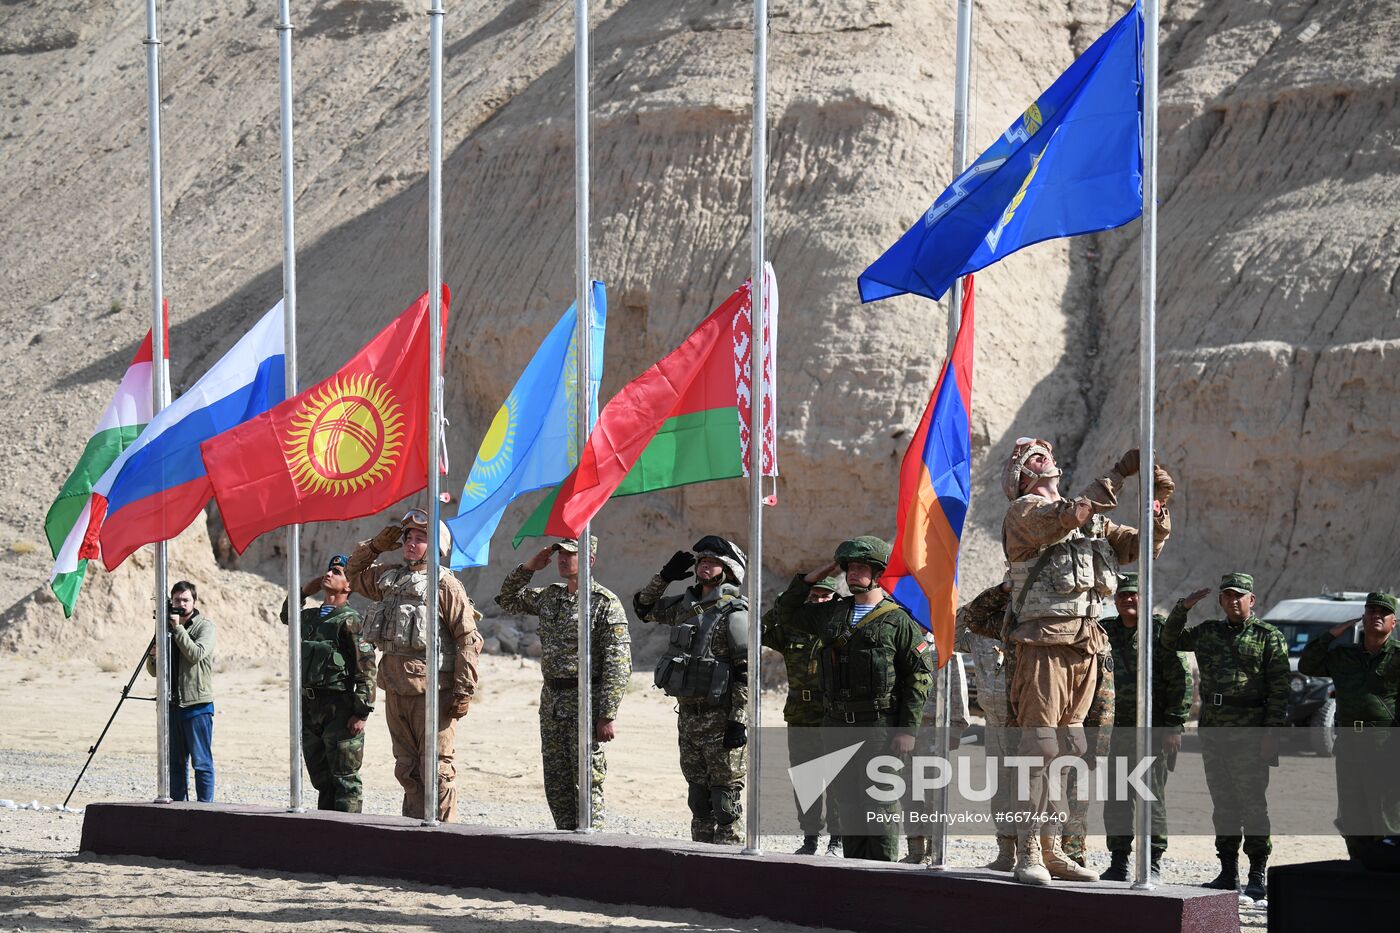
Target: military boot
918,850
808,847
1117,867
1060,865
1030,868
1006,855
1229,877
833,846
1155,871
1256,888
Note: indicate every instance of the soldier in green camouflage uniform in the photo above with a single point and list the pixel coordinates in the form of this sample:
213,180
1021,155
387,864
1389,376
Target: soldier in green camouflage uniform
1244,683
706,669
874,677
1366,678
1098,730
803,710
1171,704
337,689
556,605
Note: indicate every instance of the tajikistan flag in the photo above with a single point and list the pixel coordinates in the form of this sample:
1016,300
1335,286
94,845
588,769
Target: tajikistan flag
67,524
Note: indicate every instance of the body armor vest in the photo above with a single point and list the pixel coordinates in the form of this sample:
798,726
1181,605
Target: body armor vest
398,623
857,674
1069,579
688,669
323,665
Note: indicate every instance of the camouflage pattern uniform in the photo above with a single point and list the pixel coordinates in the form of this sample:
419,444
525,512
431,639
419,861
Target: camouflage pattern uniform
611,646
395,627
803,710
893,650
1244,683
980,630
1368,698
1098,727
1171,705
337,685
714,774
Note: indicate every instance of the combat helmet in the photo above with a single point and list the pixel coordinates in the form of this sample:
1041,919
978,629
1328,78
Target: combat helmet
727,553
867,549
1015,469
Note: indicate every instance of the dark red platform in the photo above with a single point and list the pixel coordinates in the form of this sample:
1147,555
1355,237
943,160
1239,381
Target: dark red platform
618,869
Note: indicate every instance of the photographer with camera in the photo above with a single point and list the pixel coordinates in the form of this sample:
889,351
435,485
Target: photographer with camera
191,693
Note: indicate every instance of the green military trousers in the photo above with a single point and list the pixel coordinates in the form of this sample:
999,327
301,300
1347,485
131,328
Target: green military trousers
559,748
804,743
1120,815
1368,800
1238,780
868,828
332,754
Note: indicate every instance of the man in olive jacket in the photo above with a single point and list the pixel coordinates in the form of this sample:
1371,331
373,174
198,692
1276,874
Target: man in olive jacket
191,694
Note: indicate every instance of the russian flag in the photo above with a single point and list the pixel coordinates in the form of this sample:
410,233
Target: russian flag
158,485
935,487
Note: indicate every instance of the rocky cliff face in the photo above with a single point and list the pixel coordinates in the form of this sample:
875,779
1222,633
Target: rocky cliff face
1278,253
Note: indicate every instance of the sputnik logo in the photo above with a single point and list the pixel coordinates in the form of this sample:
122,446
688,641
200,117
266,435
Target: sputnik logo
811,778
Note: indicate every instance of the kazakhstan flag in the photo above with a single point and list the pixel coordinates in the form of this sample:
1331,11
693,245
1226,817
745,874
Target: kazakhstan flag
533,440
1071,164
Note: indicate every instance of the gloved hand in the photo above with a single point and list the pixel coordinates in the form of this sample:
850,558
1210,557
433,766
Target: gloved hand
678,567
460,704
735,735
1162,484
1128,464
388,539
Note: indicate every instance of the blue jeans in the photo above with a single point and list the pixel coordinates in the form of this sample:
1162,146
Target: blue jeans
191,741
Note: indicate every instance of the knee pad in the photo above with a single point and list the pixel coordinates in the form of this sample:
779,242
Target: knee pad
725,801
698,798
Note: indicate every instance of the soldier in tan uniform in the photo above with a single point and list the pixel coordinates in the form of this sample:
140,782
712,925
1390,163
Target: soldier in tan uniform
397,626
1062,562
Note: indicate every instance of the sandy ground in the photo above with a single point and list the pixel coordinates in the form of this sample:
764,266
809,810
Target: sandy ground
51,715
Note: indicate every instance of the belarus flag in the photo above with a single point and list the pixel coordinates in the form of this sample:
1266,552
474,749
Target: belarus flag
68,524
158,485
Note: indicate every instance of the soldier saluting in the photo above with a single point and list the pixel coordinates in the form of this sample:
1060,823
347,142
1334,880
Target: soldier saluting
337,690
706,669
1244,683
1366,677
876,669
556,605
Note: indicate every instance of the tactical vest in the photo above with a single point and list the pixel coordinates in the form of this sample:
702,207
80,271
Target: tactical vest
857,674
323,665
1068,579
398,623
688,669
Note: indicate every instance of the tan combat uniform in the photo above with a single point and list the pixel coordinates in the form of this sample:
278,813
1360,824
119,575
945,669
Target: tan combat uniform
396,625
1061,573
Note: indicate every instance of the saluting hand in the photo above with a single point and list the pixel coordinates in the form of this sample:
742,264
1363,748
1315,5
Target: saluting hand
821,573
540,560
1337,631
1192,598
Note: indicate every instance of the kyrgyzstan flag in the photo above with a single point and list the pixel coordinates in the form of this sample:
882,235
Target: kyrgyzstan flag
348,447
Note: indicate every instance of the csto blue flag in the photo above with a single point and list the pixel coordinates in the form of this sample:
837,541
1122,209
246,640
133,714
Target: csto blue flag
1071,164
533,440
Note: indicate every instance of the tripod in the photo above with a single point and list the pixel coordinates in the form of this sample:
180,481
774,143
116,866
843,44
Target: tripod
125,690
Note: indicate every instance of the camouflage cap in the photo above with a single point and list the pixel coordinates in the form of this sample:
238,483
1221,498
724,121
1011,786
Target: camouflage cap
339,560
1237,583
571,545
1128,582
827,583
1383,600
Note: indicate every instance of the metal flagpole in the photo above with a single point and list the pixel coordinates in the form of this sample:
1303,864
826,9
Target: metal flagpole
430,707
583,337
758,295
289,311
961,89
159,387
1147,357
